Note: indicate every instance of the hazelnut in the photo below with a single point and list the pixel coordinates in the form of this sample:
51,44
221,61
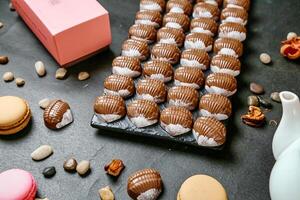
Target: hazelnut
115,167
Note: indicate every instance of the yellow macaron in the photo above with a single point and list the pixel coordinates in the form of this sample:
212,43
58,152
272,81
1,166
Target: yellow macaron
14,114
201,187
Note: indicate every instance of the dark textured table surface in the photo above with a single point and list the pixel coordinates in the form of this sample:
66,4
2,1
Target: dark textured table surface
243,167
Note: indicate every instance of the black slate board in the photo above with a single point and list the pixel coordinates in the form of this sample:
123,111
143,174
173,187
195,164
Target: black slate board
156,131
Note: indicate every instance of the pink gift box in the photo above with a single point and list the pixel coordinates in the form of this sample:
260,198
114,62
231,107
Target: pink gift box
71,30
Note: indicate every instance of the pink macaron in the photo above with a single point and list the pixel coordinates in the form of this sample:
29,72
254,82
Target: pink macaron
17,184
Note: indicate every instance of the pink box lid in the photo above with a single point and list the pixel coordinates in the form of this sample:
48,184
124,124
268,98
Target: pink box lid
71,30
62,15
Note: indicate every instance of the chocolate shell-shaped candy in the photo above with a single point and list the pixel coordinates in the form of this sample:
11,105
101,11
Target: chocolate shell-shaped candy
128,66
176,120
143,112
204,25
144,184
166,52
245,4
209,132
215,105
149,17
232,30
176,20
206,10
220,83
109,108
58,114
198,41
213,2
195,58
146,33
151,89
225,64
235,15
135,48
183,96
189,76
179,6
228,46
170,36
119,85
158,70
154,5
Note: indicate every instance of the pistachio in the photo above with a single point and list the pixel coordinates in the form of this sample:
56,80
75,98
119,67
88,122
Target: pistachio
8,76
40,68
60,73
83,76
1,25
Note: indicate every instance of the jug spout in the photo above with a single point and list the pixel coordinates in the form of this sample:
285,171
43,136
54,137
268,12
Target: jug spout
288,130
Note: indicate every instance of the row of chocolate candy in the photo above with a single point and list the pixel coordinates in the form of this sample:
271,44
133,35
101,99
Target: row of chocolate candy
166,53
128,66
225,66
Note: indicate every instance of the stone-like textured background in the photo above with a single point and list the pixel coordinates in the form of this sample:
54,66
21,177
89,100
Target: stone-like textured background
243,167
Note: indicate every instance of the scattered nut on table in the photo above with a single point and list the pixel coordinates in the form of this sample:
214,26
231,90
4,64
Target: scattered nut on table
264,102
4,60
70,165
44,103
1,25
255,117
60,73
40,68
253,101
115,167
49,172
265,58
8,76
42,152
275,97
256,88
291,35
11,7
83,76
20,82
83,167
106,193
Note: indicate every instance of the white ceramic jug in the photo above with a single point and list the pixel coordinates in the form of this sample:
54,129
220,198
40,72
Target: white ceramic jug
288,130
285,176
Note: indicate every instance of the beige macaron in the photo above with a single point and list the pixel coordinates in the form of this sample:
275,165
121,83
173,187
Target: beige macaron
14,114
201,187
